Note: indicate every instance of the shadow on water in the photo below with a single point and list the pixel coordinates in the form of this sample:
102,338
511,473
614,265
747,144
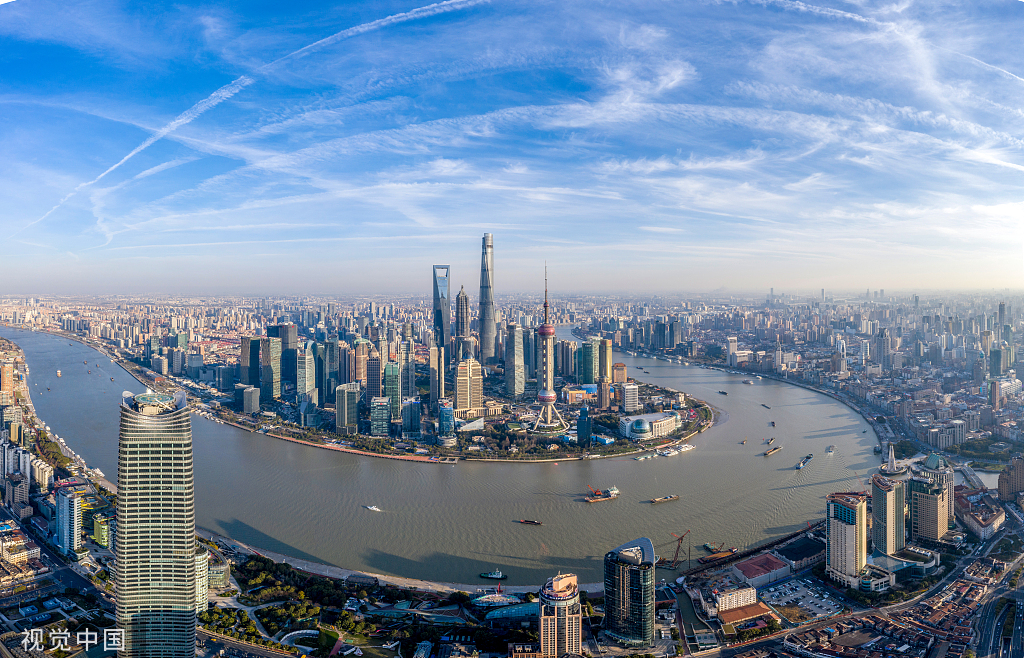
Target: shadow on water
245,533
443,567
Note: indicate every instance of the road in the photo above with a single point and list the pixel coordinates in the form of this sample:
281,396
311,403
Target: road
211,646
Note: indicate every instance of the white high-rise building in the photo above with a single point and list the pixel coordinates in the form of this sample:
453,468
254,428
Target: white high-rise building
560,627
156,528
42,475
847,538
630,398
515,370
202,580
69,519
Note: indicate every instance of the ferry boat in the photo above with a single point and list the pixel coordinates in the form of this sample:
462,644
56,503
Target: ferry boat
765,405
529,522
494,575
770,441
830,450
373,508
58,373
803,462
686,448
772,451
600,496
664,499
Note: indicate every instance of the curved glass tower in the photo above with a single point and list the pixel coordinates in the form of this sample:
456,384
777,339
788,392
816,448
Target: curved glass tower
156,528
629,593
487,327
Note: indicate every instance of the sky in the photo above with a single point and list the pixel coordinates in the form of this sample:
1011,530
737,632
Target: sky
255,147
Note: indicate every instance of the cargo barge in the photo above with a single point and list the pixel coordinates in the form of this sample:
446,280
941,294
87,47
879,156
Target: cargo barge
600,496
663,499
772,451
803,462
715,557
528,522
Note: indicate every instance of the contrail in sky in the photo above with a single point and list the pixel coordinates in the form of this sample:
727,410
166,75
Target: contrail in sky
232,88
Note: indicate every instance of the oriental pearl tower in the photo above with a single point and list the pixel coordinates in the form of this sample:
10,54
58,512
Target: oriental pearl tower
549,419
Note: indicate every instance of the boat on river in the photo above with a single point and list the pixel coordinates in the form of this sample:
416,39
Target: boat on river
747,381
773,423
830,450
58,373
494,575
803,462
664,499
373,508
529,522
772,451
770,441
599,496
715,557
723,392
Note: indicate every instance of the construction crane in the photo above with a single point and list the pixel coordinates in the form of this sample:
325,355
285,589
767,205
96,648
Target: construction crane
675,558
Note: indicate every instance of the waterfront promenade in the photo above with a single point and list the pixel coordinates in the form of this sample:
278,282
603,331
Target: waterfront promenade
339,573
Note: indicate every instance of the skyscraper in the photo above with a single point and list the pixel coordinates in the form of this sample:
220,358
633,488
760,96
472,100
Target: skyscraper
393,387
380,416
560,628
461,323
156,528
605,359
469,385
928,509
270,369
69,518
346,408
515,371
442,309
305,374
629,593
289,335
437,361
846,533
374,373
588,361
546,396
486,318
888,514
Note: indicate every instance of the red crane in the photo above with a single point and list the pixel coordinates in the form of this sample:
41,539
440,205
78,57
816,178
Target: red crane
679,544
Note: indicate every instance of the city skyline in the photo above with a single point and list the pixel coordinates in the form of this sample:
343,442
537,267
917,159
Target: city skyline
679,148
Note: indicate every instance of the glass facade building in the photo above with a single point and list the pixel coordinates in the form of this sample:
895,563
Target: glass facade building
629,593
442,308
155,572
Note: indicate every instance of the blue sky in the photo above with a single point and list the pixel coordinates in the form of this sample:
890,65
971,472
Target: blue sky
310,147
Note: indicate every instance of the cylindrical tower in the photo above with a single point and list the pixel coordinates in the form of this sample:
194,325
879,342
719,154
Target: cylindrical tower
156,528
488,329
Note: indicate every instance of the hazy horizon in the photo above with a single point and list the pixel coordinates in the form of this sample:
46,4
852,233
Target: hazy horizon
208,148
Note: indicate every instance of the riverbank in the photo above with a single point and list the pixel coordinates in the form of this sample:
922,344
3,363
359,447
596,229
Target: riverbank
339,573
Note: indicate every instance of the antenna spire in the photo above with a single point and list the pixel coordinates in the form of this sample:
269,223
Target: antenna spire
545,292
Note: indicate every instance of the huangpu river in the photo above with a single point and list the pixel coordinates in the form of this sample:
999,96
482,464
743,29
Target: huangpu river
448,523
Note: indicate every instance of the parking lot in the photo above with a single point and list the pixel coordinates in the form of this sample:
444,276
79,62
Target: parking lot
800,600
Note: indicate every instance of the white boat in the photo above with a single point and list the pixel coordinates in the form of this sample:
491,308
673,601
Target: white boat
687,447
373,508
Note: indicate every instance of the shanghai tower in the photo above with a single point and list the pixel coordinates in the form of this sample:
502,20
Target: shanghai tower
487,327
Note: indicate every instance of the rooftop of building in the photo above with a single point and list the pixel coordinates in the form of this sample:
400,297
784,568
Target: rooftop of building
801,549
639,551
760,565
